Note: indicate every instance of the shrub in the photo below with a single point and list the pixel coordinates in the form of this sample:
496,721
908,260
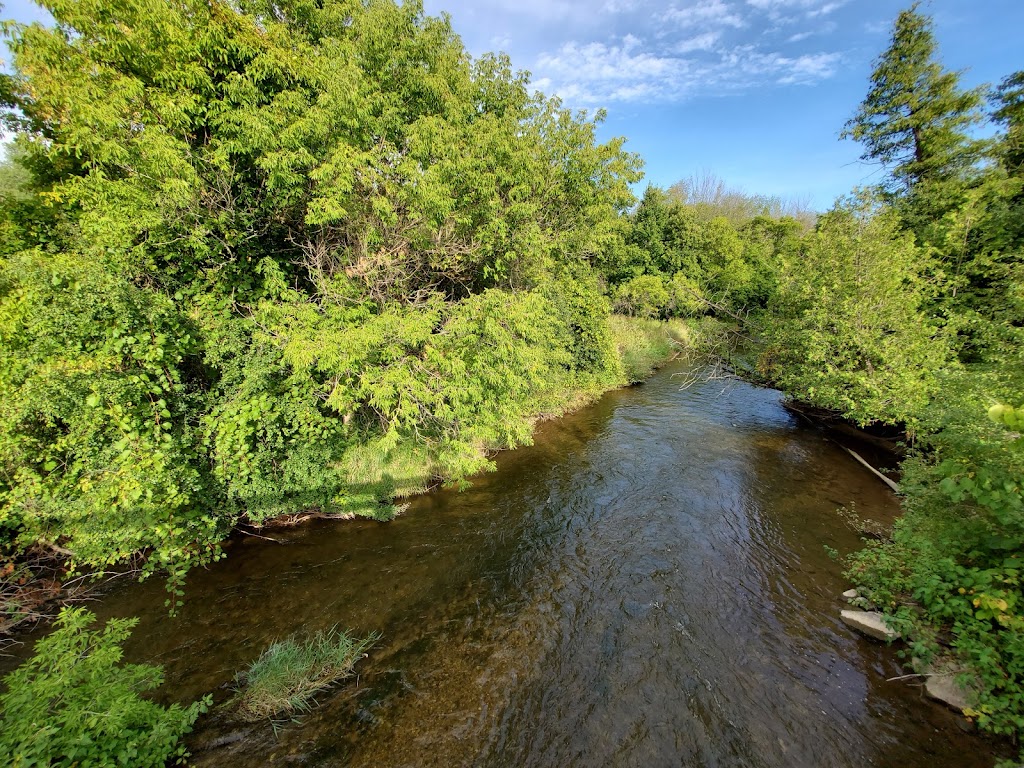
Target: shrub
643,345
74,704
643,296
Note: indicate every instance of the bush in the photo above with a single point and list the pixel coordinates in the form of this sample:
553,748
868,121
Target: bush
952,572
288,674
643,296
686,297
847,330
74,704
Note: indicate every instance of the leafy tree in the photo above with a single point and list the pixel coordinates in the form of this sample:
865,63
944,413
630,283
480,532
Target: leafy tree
280,256
643,296
846,329
1008,100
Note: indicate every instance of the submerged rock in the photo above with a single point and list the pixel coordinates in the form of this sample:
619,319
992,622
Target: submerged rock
870,623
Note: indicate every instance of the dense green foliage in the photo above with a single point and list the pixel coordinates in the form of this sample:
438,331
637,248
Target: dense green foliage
685,259
74,704
912,314
266,258
846,327
282,682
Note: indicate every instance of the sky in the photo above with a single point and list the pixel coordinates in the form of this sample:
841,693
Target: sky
755,92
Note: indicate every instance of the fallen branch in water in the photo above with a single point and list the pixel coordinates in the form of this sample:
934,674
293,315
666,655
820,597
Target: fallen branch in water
879,475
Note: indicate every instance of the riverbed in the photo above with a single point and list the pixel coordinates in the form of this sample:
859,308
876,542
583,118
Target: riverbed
649,584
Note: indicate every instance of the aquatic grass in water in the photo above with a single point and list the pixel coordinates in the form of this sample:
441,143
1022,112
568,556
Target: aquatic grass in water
282,682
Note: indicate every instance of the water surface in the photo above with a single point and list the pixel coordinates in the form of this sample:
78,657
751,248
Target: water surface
648,585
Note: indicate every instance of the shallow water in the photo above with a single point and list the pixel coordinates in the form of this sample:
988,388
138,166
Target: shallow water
646,586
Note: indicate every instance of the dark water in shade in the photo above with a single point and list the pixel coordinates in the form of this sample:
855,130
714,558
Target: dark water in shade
646,586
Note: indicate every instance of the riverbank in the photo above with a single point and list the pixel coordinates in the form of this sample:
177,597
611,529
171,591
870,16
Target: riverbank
33,585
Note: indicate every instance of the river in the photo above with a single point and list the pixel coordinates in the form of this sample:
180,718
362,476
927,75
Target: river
647,585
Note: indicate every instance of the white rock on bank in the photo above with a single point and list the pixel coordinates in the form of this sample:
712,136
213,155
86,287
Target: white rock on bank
940,683
869,623
851,594
946,689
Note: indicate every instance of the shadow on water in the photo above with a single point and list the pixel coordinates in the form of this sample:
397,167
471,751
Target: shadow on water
647,585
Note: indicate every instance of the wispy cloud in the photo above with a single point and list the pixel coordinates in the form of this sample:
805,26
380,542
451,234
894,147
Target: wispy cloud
596,72
707,13
791,11
621,6
826,9
707,41
601,52
599,73
824,29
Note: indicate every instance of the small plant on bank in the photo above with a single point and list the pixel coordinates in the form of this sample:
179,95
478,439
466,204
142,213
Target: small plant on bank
74,704
282,682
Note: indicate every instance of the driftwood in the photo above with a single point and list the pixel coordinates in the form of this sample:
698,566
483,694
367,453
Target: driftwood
879,475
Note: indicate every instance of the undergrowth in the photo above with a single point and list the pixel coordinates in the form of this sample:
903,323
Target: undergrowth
645,344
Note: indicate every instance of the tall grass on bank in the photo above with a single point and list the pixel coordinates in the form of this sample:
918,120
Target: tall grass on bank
282,682
645,344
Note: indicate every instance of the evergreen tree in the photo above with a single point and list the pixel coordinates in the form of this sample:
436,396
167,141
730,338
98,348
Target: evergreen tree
915,118
1009,110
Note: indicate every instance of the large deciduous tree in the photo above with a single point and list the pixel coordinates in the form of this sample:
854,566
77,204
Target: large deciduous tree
279,255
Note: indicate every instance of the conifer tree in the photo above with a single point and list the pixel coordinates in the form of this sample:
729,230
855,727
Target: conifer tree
915,118
1009,103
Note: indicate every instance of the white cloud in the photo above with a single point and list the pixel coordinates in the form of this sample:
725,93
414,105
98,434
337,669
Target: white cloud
826,9
779,9
703,42
706,13
778,5
542,10
620,6
597,73
500,43
824,29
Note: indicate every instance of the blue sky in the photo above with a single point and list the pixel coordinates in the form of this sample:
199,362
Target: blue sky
755,91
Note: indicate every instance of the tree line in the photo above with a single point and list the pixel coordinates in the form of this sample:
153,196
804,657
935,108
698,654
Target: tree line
265,257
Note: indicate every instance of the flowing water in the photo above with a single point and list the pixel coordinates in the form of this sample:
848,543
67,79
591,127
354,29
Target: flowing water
648,585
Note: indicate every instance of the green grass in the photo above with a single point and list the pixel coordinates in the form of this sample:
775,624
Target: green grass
282,682
644,344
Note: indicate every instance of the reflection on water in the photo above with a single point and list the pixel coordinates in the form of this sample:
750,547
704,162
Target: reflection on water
646,586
